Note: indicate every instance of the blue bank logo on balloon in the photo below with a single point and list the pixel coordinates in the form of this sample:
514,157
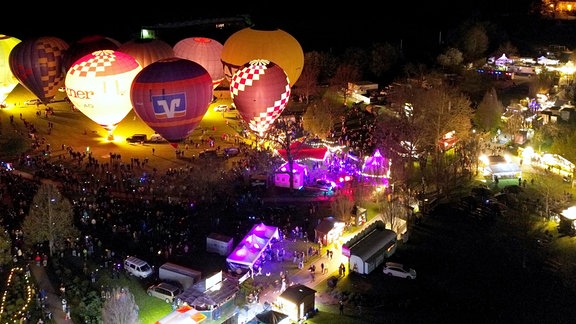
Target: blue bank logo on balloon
169,106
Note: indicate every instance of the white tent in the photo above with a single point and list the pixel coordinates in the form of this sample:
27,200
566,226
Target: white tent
252,246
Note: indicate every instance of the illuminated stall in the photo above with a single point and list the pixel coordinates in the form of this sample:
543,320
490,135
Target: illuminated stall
328,231
282,176
214,297
252,247
376,169
297,301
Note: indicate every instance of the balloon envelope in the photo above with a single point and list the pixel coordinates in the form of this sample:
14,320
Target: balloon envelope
85,46
98,84
147,51
260,91
7,79
204,51
172,96
37,64
274,45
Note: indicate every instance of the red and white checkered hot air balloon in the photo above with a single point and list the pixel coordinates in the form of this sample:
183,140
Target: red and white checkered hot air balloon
260,90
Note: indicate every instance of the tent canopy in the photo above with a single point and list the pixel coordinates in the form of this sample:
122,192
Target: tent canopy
252,246
302,151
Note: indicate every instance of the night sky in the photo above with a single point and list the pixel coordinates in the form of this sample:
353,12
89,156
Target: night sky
315,28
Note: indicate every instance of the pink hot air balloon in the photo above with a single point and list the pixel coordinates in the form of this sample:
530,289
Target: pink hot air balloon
7,79
147,51
37,64
172,96
260,90
204,51
85,46
98,84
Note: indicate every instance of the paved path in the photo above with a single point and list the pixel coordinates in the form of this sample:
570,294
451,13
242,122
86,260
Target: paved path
54,302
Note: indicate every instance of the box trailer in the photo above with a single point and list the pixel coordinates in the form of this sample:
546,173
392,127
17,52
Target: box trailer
180,274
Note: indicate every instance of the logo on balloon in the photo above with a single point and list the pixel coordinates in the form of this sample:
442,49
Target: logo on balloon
169,105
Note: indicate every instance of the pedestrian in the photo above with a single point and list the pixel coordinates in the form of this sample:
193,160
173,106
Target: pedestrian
322,267
153,151
341,307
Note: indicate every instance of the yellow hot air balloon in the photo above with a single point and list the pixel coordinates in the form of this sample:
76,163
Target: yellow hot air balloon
274,45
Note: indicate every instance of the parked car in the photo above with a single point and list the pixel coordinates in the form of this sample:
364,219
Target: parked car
157,138
221,108
398,270
137,138
164,291
33,102
137,267
324,185
208,154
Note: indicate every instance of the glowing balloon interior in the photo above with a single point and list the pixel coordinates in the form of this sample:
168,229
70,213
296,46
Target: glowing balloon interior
260,90
7,79
98,84
172,96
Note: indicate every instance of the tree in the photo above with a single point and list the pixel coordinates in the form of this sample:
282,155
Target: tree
451,60
384,58
284,132
307,83
121,308
5,247
320,118
345,73
489,112
342,207
50,219
475,42
422,117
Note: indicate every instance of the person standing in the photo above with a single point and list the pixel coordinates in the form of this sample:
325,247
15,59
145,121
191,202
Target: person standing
341,307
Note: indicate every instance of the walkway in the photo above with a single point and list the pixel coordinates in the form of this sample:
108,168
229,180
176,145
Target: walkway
53,301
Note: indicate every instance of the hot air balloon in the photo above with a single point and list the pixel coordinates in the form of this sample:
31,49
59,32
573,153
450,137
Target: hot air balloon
260,90
85,46
172,96
98,84
204,51
7,79
147,50
37,64
274,45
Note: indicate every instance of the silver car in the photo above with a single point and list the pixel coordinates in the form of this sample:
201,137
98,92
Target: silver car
164,291
398,270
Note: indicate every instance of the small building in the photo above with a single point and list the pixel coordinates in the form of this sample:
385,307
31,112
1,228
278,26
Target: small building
297,301
369,248
328,231
219,243
282,176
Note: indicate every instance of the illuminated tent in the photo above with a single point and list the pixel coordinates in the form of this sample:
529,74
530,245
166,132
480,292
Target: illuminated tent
250,249
303,151
282,177
376,168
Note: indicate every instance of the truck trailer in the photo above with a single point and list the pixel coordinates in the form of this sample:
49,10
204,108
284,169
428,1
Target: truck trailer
185,276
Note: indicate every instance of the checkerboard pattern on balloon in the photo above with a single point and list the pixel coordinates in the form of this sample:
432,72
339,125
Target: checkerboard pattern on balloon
96,65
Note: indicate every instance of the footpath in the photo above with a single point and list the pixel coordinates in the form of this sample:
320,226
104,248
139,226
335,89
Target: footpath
53,312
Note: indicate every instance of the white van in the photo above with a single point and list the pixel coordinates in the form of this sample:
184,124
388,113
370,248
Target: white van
138,268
